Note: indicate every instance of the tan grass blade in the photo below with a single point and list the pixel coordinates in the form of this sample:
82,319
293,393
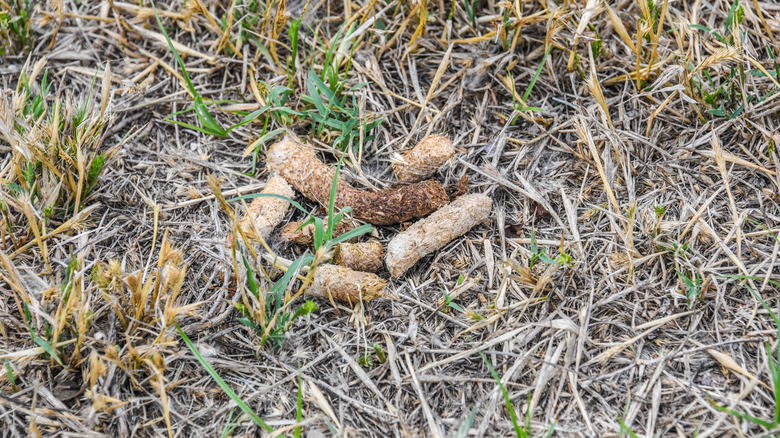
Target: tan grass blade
619,27
181,48
584,133
728,362
653,325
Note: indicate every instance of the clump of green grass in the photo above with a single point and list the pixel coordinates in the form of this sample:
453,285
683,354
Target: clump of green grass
335,121
15,26
334,113
266,306
57,153
208,124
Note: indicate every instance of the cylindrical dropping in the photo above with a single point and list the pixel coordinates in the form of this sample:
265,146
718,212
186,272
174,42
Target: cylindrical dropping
298,164
344,284
305,236
267,212
435,231
423,160
364,256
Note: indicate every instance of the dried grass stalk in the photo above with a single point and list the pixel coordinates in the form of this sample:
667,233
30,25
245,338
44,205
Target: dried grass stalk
364,256
305,236
344,284
298,164
435,231
265,211
423,160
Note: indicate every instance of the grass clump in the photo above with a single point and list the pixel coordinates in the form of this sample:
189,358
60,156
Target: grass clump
15,26
330,105
68,325
57,156
57,143
266,306
336,117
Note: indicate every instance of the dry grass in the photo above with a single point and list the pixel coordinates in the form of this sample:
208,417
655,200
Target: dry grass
630,149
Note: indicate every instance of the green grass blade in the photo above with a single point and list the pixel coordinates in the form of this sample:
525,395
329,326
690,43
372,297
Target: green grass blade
551,429
9,372
775,377
208,122
519,431
332,201
267,136
741,416
314,94
319,232
47,348
233,396
250,277
626,429
299,407
188,126
730,16
293,34
463,430
278,288
321,87
329,55
536,75
175,52
773,371
708,30
229,428
249,117
363,229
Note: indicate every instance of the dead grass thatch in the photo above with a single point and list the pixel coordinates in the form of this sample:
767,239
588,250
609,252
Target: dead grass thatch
625,282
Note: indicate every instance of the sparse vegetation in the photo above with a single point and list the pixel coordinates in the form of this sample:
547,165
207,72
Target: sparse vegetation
619,279
16,34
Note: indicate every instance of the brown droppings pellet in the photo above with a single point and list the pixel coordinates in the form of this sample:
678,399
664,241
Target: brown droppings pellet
363,256
265,211
423,160
435,231
298,164
305,236
345,284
